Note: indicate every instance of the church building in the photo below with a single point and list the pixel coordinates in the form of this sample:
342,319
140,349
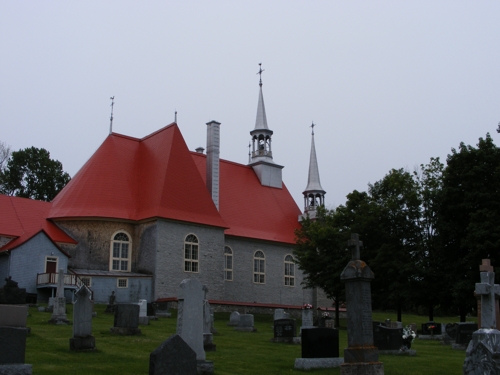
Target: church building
143,214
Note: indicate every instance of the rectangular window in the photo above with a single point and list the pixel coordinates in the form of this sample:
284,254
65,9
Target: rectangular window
87,281
122,283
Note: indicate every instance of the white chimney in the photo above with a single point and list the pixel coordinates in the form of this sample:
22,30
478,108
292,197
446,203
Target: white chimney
213,151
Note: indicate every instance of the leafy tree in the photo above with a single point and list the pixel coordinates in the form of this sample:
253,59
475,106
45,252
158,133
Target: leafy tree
469,217
4,155
31,173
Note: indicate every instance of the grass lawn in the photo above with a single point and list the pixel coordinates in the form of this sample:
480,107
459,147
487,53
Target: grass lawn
237,352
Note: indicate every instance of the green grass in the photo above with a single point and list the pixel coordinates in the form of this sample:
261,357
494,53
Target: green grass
237,352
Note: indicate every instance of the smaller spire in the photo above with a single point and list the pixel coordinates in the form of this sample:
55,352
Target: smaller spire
111,118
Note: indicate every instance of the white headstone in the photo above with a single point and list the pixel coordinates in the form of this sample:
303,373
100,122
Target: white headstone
190,315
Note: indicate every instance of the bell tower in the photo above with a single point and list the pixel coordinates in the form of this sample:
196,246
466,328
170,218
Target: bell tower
314,195
261,154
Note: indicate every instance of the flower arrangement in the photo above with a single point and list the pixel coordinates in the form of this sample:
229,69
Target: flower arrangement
307,306
325,314
408,336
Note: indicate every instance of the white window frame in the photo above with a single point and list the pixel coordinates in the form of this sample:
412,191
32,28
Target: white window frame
82,278
120,259
51,257
289,271
125,279
259,267
228,263
191,255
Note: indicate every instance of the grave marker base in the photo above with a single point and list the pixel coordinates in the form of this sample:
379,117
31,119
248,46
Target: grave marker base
18,369
82,343
125,331
312,363
374,368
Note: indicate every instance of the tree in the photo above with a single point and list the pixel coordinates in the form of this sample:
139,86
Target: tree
4,155
469,217
31,173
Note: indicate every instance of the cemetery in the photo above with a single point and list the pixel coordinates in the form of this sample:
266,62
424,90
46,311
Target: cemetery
237,352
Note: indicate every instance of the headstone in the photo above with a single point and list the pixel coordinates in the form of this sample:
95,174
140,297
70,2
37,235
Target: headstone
143,312
431,328
111,307
151,310
234,318
285,330
245,323
281,314
483,352
173,357
463,335
126,320
190,319
307,318
385,338
11,294
208,344
82,321
59,311
320,343
13,340
162,310
326,322
361,356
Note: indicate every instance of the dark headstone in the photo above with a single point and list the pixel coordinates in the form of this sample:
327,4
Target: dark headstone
324,321
126,319
12,345
285,328
320,343
385,338
173,357
464,332
11,294
151,309
451,330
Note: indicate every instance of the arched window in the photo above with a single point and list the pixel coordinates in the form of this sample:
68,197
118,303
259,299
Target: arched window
121,252
289,271
191,254
228,263
259,267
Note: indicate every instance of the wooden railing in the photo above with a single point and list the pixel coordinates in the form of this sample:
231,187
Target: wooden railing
53,278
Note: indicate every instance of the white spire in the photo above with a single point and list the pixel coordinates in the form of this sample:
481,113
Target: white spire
261,120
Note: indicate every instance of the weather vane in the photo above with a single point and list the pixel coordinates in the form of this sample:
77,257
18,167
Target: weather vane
260,74
111,118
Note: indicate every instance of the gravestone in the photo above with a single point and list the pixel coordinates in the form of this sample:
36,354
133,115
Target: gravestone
431,329
162,310
234,318
307,319
190,320
151,310
320,349
143,312
82,321
111,307
326,322
285,330
126,321
208,344
483,352
464,331
59,309
11,294
173,357
361,356
281,314
245,323
13,333
386,338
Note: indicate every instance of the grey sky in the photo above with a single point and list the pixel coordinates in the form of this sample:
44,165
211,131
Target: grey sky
388,83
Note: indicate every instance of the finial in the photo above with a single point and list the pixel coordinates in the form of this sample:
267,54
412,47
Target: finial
312,128
111,118
175,117
249,154
260,74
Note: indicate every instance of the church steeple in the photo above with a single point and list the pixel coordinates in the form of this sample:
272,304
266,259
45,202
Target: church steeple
261,154
314,195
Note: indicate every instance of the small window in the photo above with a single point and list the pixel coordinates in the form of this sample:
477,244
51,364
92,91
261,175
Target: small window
122,283
289,271
120,253
228,263
191,252
87,281
259,268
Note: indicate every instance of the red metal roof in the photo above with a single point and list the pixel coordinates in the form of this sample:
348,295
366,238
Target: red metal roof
136,179
22,218
157,176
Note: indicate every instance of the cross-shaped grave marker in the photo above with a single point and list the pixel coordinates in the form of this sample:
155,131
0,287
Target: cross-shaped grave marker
488,290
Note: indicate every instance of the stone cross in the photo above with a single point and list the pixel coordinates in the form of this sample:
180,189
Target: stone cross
488,290
354,241
82,313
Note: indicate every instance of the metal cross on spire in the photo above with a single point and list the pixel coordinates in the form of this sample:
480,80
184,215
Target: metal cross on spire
354,241
111,118
312,128
260,74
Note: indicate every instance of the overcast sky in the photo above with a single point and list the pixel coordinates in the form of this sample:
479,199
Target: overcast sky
389,84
